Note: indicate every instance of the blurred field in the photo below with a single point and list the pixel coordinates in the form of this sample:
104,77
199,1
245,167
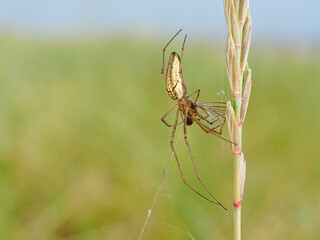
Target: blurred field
82,147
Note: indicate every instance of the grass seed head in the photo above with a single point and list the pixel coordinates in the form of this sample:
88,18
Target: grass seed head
246,95
233,129
244,5
233,69
246,40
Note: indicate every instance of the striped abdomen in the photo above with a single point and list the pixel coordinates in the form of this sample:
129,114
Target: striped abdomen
174,80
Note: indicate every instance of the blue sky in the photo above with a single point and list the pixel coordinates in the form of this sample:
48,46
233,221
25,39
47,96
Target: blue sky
273,20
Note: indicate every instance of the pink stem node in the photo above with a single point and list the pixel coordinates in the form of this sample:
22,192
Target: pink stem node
236,94
237,153
236,205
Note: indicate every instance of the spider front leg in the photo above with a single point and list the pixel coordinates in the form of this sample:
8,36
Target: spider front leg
195,166
164,51
182,49
178,163
196,92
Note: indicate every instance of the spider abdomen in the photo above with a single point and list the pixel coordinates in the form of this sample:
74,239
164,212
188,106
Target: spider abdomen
174,81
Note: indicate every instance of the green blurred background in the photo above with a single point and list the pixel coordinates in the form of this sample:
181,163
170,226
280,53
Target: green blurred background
83,150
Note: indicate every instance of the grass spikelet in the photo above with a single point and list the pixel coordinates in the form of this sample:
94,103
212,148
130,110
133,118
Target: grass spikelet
232,69
246,95
233,129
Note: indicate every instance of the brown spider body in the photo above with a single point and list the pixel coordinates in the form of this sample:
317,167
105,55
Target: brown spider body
211,113
191,111
188,108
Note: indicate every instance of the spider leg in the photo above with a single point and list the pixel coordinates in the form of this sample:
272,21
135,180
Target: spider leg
217,118
205,111
198,93
164,50
209,130
214,109
166,114
195,166
224,103
178,163
182,49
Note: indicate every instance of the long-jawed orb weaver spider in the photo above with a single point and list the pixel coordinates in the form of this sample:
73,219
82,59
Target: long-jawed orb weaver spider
210,116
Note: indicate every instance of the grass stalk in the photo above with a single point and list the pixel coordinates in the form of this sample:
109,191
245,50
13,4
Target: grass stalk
238,19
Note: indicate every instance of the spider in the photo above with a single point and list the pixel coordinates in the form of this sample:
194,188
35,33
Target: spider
210,116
